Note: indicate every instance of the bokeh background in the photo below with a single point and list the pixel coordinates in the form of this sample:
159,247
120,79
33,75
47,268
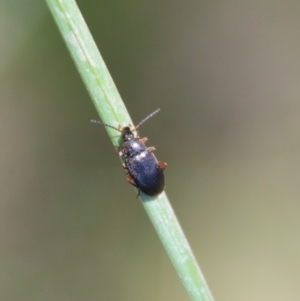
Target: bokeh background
226,75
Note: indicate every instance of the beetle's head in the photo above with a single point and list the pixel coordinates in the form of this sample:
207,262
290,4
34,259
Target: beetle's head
127,133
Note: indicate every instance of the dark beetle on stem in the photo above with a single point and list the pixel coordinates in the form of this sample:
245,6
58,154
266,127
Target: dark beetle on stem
144,171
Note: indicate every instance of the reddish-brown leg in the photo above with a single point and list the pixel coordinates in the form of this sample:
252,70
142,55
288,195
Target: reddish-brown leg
125,167
144,140
151,148
162,165
130,180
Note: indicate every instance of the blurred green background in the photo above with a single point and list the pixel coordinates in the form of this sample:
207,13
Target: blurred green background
226,77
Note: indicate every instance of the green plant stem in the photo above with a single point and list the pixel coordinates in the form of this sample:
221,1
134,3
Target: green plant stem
112,110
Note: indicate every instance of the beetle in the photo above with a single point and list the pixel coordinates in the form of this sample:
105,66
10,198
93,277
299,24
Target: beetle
144,171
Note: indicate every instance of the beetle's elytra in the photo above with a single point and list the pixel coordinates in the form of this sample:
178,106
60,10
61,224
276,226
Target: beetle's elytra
144,171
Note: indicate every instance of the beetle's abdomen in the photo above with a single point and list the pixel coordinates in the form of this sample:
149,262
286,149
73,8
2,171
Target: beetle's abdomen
146,172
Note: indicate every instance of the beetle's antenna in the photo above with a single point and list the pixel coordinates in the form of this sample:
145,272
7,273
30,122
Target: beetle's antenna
99,122
145,119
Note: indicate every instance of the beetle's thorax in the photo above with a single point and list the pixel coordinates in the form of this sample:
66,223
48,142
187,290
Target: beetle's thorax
133,147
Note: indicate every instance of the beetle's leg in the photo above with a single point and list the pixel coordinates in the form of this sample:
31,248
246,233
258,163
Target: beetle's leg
144,140
120,152
151,149
130,180
124,165
162,165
